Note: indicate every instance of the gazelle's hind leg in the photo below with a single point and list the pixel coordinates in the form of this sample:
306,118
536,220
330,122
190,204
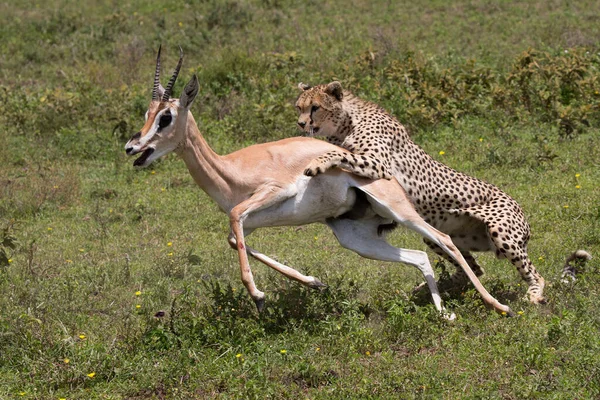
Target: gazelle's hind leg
390,201
291,273
361,236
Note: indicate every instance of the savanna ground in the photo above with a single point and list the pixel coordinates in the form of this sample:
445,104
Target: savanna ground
118,283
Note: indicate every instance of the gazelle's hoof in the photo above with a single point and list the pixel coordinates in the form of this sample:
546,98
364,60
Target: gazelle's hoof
506,313
448,316
260,304
316,284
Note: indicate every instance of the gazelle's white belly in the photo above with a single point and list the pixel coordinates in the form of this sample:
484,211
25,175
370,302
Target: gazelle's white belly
317,198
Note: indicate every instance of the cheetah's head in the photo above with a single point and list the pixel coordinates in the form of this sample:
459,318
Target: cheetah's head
320,109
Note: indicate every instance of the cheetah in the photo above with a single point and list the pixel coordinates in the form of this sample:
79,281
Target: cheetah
477,215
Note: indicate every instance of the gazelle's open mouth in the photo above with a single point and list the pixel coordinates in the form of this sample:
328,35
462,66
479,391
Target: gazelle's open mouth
141,160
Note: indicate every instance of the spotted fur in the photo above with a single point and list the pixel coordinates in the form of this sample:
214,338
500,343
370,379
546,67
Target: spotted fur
477,215
574,264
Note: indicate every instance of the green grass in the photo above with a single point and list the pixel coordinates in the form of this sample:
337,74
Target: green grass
84,231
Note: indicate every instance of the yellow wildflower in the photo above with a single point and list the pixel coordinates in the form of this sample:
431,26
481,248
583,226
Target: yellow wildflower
180,24
521,312
82,336
481,139
22,393
283,351
566,206
442,153
170,254
153,172
138,306
138,293
577,175
368,353
49,229
238,355
91,375
577,187
170,244
9,260
66,361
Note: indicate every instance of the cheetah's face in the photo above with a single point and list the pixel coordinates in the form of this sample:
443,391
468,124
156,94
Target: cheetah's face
320,109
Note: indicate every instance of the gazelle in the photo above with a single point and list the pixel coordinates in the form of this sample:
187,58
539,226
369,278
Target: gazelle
264,185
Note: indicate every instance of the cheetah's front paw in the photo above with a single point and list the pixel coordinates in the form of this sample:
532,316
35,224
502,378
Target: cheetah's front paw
314,168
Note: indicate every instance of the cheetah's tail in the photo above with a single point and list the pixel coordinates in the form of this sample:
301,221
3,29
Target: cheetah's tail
570,270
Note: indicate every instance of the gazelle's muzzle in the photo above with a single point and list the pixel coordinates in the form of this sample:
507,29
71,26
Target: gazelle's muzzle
134,147
141,160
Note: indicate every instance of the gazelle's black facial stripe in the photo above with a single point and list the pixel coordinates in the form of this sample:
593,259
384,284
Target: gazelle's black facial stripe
160,121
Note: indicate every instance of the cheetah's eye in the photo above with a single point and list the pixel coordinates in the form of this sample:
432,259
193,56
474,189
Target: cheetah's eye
314,108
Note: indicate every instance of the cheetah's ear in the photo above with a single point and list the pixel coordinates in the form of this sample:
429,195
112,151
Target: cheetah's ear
303,86
335,89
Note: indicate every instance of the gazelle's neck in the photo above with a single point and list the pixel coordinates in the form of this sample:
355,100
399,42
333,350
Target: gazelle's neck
215,175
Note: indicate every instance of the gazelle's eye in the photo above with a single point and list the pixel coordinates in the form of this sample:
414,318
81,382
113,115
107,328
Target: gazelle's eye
165,120
314,108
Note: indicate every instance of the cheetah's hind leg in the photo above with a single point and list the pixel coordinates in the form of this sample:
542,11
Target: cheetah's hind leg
509,233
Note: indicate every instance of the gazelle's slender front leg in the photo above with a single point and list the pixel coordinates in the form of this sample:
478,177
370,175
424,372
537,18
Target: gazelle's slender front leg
263,198
291,273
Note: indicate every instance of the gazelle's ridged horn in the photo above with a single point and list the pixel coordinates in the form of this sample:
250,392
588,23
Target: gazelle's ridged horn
155,90
169,88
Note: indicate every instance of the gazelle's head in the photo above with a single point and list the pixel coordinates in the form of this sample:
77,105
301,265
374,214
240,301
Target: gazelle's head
166,119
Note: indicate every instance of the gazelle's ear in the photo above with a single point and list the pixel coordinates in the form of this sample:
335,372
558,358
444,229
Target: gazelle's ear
335,89
303,86
189,93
